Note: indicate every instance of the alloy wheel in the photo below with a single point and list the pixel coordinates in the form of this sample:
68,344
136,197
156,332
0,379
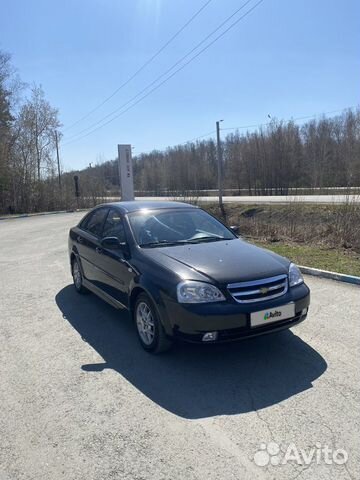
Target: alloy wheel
145,323
77,275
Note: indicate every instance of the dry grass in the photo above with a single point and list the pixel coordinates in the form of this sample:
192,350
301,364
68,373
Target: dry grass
320,236
328,226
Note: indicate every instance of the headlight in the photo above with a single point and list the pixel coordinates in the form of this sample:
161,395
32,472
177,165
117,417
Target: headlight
198,292
295,277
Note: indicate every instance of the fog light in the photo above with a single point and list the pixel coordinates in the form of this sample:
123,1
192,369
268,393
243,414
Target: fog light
304,311
210,337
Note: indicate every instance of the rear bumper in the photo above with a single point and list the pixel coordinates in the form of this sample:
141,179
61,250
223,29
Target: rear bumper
231,320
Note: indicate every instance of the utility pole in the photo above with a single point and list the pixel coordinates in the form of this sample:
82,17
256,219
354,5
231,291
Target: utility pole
58,157
219,160
77,191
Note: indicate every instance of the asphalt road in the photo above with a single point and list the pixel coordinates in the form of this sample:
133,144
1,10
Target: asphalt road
80,400
324,199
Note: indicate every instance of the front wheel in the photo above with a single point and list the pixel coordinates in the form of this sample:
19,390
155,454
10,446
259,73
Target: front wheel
149,328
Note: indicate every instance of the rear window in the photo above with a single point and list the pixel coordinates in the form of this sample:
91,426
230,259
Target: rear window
94,222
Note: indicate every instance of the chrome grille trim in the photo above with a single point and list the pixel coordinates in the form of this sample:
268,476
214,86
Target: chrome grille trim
243,289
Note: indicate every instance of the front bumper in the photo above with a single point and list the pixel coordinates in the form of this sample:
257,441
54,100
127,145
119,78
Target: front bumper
232,320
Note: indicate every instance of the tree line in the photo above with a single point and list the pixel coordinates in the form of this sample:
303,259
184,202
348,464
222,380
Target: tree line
275,158
282,155
28,128
319,154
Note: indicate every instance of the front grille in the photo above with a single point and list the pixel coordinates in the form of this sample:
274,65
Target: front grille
258,290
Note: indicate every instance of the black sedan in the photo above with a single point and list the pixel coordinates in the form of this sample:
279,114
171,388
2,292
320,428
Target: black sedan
183,274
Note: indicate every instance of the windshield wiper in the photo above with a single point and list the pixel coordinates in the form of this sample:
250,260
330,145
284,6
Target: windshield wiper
208,239
164,243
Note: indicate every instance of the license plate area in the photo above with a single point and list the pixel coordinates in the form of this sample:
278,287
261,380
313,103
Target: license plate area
272,315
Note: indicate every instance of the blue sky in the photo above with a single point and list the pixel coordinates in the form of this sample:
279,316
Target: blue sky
288,58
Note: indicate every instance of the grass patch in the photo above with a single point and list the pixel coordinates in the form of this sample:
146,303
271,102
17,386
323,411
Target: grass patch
340,261
326,226
319,236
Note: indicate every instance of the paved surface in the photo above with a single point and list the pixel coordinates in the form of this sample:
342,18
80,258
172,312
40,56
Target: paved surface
326,199
80,400
279,199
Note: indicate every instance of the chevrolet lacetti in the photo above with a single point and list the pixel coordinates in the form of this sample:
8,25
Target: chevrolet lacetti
182,274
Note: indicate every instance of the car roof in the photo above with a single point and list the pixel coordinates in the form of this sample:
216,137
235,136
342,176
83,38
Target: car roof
136,205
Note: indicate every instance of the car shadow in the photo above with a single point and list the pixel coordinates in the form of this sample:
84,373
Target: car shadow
195,381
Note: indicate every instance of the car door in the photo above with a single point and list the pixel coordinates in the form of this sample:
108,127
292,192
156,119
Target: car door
116,269
88,244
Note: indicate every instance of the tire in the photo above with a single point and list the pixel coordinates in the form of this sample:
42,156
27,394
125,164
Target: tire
78,277
148,326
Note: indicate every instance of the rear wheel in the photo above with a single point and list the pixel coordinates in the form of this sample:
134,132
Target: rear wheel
78,277
149,328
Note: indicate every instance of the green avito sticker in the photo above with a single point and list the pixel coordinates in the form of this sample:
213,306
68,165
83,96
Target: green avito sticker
272,315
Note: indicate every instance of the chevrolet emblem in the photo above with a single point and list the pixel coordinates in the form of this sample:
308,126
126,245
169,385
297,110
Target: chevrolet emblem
264,290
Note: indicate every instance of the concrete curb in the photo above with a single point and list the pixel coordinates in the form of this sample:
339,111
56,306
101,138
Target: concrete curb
340,277
25,215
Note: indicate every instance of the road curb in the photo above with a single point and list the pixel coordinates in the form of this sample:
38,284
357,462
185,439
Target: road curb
340,277
25,215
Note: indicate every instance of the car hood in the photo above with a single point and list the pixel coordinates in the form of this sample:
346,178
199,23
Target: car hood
222,262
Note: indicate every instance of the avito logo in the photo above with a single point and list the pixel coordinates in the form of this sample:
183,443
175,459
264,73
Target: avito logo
272,315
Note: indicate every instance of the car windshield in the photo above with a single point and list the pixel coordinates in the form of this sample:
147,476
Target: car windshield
175,227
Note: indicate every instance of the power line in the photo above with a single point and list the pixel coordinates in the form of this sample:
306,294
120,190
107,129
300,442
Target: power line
161,75
307,117
183,143
173,74
198,138
139,70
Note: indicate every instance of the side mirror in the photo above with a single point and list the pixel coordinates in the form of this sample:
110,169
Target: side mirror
111,243
235,229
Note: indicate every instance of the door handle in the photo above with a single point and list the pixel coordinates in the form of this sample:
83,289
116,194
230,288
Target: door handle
80,239
130,267
99,250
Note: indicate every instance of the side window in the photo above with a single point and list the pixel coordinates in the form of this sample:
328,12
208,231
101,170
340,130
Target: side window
114,226
94,222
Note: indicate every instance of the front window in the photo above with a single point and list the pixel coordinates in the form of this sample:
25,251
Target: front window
114,226
177,226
